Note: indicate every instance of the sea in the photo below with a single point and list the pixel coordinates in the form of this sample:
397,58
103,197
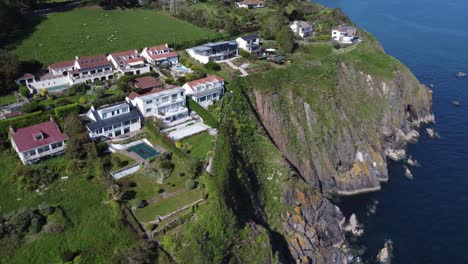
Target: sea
426,217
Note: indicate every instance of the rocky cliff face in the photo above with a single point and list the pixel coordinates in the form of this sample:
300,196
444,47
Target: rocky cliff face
338,138
351,155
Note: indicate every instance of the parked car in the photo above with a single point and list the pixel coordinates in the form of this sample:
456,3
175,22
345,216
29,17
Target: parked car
277,59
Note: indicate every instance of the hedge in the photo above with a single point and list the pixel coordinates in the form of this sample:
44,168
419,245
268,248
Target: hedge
62,111
22,121
161,139
207,117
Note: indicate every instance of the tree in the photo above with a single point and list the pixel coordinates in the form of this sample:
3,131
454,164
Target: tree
30,107
285,39
9,69
23,90
72,124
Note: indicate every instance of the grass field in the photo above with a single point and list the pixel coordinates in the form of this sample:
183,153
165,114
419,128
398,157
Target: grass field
125,161
88,31
7,99
94,231
201,144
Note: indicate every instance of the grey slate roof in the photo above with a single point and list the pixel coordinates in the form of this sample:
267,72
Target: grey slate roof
249,37
101,123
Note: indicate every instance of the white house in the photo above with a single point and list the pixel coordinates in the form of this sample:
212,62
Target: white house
90,69
345,34
160,54
218,51
251,4
128,62
205,91
250,43
39,141
112,120
302,29
166,102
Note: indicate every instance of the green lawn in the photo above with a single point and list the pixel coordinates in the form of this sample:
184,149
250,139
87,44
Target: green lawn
201,144
86,31
125,161
94,230
168,205
7,99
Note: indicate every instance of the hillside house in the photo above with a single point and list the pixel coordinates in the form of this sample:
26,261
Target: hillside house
251,4
112,120
250,43
218,51
205,91
90,69
39,141
302,29
158,55
165,102
128,62
345,34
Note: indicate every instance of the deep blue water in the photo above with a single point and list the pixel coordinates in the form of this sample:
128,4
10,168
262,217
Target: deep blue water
427,217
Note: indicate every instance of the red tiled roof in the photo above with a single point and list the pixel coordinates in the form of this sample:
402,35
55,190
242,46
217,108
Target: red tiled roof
25,140
210,78
93,61
147,82
62,64
13,114
124,53
164,55
26,76
159,47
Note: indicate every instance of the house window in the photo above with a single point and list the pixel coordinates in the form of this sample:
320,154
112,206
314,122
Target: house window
117,125
57,145
149,101
165,99
134,120
109,128
148,110
181,93
104,115
43,149
125,110
30,153
126,123
174,96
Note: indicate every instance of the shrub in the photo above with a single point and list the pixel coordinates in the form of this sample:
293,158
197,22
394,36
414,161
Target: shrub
62,111
285,39
323,37
69,256
31,107
190,184
23,90
247,55
203,113
75,89
83,100
63,102
137,203
116,162
44,91
212,66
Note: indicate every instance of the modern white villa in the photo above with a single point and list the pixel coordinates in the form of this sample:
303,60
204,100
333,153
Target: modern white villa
39,141
166,102
302,29
157,55
345,34
251,4
205,91
112,120
128,62
250,43
218,51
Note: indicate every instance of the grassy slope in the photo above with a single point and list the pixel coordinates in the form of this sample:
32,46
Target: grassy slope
94,231
62,36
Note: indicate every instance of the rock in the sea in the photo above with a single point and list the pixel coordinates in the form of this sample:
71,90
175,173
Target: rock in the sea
412,162
456,103
354,227
408,174
461,74
432,133
385,254
395,154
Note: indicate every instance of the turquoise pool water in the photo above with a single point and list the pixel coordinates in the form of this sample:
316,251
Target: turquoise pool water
143,150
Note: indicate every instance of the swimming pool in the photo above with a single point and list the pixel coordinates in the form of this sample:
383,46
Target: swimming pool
143,150
182,68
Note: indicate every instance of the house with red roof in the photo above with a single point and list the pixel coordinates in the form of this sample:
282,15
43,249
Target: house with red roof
39,141
91,69
157,55
128,62
205,91
163,101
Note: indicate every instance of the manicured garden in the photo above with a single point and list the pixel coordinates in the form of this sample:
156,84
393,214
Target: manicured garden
7,99
200,145
87,31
